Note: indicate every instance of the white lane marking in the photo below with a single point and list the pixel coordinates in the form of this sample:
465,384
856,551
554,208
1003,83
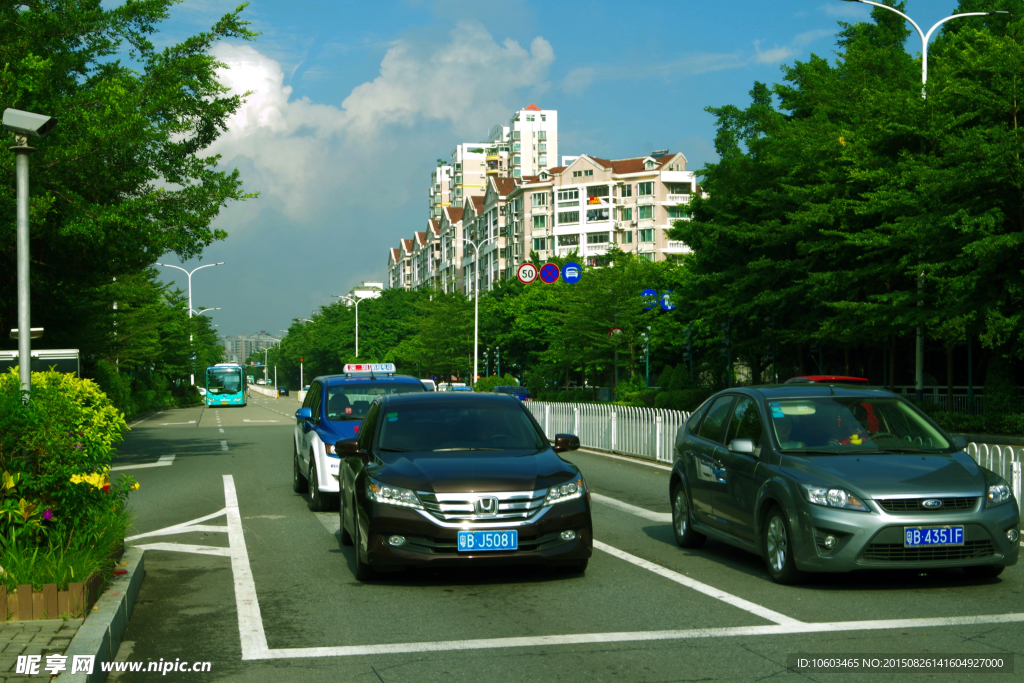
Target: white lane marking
704,588
631,636
330,520
260,420
186,526
250,621
221,431
187,548
223,445
164,461
635,461
138,422
190,422
664,517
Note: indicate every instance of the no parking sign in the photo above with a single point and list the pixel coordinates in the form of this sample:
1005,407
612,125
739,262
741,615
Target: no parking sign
549,273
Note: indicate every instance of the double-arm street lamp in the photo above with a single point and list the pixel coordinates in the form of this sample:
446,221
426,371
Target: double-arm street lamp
354,300
476,301
925,37
190,309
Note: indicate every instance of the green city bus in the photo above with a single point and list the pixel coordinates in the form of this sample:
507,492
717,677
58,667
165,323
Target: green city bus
225,385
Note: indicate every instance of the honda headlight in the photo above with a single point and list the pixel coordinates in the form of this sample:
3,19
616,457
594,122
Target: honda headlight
567,491
834,498
392,495
998,494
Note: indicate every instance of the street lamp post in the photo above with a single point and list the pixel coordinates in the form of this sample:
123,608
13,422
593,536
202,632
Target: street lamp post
925,37
354,300
24,124
190,309
476,301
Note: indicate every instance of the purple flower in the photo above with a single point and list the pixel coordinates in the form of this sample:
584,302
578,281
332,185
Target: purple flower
79,446
47,514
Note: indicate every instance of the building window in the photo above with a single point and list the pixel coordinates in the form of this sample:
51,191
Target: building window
529,117
627,214
543,161
516,173
566,195
627,190
646,211
597,238
543,135
517,160
516,135
543,117
540,198
568,240
516,147
458,166
577,174
626,237
645,189
458,180
539,243
597,191
678,212
543,147
568,217
647,235
596,215
540,222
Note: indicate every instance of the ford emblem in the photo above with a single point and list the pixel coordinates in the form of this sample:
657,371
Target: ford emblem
931,504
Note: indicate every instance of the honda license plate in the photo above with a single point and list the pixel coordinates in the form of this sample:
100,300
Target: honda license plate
485,541
921,536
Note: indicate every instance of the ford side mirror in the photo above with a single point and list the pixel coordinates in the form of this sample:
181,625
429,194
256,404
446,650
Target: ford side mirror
742,446
304,414
566,442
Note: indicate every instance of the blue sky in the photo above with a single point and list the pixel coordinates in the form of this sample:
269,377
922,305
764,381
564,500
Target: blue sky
353,102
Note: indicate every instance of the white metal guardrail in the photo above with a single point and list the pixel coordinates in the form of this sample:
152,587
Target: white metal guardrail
266,391
651,433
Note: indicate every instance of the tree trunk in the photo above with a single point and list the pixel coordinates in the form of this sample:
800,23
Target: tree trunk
892,362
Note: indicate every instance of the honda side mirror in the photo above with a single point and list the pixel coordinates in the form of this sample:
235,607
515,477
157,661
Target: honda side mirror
566,442
742,446
303,414
348,448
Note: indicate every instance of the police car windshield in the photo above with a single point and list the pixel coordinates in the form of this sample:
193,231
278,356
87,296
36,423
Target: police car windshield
350,401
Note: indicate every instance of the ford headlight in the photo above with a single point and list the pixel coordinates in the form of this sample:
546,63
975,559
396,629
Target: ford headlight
392,495
998,494
834,498
568,491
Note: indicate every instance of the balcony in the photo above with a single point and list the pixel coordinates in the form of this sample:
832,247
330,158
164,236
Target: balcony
596,249
645,199
676,247
677,199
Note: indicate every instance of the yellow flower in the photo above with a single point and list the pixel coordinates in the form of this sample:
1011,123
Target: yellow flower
135,486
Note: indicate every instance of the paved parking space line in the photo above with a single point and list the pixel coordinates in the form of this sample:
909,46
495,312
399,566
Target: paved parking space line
664,517
187,548
190,422
330,520
164,461
223,445
635,461
704,588
221,430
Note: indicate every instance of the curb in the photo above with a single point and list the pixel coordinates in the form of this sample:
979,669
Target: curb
100,634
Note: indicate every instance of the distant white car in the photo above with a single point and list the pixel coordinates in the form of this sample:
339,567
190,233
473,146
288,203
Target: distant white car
202,391
261,381
430,384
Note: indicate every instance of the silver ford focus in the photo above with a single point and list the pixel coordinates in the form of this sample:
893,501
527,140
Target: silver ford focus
832,479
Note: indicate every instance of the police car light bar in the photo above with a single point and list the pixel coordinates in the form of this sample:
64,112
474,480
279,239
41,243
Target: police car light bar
383,368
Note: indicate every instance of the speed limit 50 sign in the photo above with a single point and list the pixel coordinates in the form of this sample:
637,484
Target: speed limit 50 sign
527,273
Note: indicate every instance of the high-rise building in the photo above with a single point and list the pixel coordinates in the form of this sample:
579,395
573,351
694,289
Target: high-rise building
241,346
532,140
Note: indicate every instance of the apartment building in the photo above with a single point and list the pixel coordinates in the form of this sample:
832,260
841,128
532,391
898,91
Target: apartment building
449,273
400,266
420,262
241,346
440,189
469,171
593,203
529,140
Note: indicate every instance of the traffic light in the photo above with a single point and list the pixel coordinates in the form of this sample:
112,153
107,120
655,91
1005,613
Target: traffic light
688,344
726,337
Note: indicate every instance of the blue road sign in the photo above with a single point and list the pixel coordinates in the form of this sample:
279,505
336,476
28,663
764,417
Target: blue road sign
649,296
666,301
549,273
571,273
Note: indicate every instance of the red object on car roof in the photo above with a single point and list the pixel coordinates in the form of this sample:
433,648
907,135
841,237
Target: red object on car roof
827,379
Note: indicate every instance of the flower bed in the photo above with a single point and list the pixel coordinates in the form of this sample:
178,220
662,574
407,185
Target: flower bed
62,518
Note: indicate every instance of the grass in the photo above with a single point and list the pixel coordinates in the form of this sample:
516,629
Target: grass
85,551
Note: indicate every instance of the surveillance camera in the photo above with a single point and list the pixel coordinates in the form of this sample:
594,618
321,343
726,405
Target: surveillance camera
27,123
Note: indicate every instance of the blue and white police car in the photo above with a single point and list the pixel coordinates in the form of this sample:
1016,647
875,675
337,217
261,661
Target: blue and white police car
334,407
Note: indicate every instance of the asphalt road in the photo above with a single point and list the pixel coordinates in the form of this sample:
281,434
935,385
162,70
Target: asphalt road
262,589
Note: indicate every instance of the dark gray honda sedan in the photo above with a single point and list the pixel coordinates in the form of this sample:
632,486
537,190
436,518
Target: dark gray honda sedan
819,478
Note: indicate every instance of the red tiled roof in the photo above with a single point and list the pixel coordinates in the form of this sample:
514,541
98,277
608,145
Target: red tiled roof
407,245
435,227
478,203
533,107
556,169
394,254
421,237
454,213
503,185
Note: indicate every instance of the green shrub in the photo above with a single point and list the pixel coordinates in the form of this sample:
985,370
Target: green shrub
687,399
485,384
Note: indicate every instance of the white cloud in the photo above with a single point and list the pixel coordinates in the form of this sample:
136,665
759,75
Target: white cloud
772,56
848,10
304,156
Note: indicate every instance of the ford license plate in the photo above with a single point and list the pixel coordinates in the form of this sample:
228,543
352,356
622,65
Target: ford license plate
485,541
921,536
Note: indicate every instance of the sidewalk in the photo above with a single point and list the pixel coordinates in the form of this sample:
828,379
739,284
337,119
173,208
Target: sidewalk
44,637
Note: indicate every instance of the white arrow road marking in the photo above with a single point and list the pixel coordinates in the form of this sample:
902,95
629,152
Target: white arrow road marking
260,420
164,461
190,422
